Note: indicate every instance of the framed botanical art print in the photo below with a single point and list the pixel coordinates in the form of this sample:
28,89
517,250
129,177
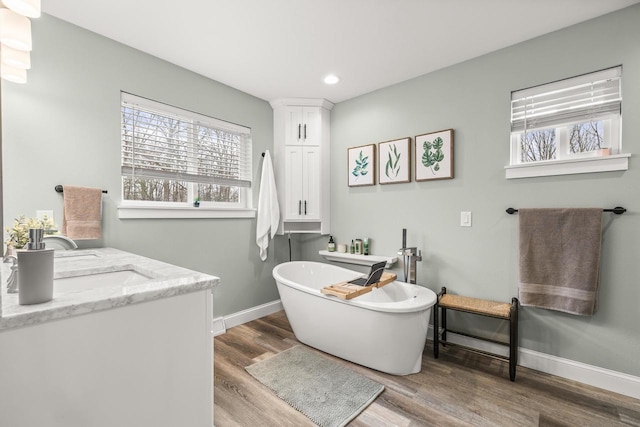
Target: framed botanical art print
394,165
361,163
434,155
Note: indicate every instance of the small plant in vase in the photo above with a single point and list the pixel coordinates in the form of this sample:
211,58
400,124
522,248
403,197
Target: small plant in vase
19,233
196,202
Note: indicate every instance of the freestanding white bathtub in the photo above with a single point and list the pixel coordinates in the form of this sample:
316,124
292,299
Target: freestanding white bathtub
385,329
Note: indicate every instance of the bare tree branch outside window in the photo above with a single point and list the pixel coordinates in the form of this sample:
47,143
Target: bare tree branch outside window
586,136
158,142
538,145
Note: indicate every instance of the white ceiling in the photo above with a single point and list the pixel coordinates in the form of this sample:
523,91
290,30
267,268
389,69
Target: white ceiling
283,48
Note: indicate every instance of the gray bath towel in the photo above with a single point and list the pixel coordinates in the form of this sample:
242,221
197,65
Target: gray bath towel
560,259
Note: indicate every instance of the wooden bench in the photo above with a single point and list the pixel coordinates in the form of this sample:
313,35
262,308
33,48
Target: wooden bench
499,310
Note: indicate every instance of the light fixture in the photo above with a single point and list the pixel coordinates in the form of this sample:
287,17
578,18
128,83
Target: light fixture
13,74
15,30
29,8
331,79
15,58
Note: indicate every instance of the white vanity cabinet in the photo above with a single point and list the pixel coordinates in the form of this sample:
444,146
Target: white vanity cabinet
126,341
301,164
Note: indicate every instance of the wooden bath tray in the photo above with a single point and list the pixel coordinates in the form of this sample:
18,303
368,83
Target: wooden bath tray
346,290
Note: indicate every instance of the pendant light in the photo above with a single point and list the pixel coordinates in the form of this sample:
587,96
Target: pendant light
15,58
28,8
13,74
15,38
15,30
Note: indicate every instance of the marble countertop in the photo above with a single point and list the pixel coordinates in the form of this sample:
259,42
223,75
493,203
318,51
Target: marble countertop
119,279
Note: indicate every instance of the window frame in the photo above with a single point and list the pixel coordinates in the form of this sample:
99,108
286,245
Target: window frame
131,209
565,162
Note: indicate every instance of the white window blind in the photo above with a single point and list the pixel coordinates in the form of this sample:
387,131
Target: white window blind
587,97
163,142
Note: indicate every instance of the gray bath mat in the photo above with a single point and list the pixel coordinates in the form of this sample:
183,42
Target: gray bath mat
323,390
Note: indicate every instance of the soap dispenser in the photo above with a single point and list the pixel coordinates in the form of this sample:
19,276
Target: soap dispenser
331,247
35,270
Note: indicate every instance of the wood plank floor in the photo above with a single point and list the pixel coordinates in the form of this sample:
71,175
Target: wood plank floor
458,389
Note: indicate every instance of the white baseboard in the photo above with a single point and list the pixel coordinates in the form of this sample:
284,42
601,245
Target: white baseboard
220,324
607,379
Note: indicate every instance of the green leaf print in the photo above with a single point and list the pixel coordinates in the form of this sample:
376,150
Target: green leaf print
391,168
433,154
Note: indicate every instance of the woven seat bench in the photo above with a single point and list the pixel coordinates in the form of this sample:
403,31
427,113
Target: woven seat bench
481,307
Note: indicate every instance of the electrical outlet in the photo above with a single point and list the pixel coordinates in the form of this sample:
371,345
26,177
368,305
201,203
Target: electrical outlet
465,219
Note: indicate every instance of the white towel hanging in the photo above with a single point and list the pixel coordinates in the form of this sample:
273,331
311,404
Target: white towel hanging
268,217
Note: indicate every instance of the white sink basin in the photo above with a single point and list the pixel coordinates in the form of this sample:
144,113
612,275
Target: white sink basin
108,279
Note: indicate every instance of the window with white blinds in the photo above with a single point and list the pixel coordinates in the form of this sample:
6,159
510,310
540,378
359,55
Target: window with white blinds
172,156
573,118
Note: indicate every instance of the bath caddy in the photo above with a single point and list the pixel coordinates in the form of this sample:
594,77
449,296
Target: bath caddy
346,290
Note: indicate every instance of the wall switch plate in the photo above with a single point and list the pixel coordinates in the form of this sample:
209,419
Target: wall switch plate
465,219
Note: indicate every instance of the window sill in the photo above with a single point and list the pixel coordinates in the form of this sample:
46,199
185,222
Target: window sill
614,162
150,212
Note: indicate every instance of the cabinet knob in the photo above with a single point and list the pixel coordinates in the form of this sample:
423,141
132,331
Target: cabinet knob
305,207
305,132
299,126
299,207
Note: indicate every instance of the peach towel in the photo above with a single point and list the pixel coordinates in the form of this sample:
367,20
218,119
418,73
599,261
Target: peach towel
82,215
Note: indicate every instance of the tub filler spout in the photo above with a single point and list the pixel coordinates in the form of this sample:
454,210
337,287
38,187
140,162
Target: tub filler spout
410,257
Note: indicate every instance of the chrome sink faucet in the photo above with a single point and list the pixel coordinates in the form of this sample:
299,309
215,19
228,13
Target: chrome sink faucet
12,281
410,257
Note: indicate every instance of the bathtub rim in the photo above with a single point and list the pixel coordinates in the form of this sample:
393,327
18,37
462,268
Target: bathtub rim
424,296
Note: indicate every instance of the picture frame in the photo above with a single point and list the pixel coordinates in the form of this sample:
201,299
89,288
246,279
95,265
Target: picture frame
434,155
394,166
361,165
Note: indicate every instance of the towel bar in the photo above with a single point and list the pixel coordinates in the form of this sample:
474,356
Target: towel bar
618,210
60,189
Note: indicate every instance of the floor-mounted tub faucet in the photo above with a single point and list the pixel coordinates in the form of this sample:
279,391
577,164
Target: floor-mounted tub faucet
410,257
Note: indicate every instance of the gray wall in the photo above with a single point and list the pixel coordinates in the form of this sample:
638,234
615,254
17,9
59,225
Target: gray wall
63,127
473,99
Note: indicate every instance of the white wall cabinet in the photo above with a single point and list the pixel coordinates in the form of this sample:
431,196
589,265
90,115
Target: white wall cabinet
301,164
302,125
302,186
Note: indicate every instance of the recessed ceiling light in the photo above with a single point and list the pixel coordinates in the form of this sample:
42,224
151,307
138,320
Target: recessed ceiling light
331,79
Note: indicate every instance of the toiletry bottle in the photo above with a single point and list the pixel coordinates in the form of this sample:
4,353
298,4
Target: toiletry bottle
352,248
35,270
332,245
358,247
365,246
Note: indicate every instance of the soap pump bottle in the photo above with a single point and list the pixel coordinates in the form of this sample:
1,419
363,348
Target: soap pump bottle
35,270
332,245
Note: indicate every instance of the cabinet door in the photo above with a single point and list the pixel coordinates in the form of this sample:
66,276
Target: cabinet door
302,126
302,193
293,182
293,126
311,183
311,126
